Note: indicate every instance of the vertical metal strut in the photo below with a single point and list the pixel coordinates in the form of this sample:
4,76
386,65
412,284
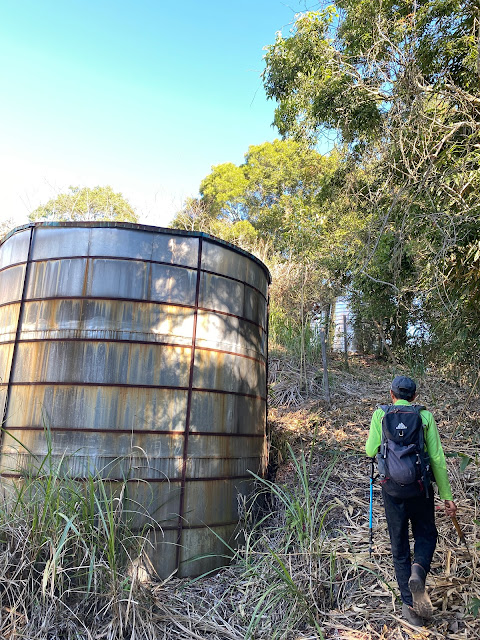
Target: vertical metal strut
189,407
17,334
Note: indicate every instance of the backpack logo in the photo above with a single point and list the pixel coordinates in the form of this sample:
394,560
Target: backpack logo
401,427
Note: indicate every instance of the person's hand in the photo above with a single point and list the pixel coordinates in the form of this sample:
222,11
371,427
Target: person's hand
450,508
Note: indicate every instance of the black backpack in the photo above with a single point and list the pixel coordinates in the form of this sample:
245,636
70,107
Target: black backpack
403,464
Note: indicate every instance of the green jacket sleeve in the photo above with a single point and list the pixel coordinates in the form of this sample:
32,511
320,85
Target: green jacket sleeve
375,434
437,457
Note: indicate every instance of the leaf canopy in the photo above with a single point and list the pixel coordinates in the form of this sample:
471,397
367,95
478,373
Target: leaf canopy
86,204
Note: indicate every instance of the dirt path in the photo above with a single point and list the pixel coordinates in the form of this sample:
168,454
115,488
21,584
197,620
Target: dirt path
372,609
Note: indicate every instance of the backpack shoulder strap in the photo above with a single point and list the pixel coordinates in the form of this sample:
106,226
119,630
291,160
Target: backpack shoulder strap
384,407
421,432
418,407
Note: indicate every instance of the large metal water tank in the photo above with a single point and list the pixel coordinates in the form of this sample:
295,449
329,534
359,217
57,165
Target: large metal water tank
143,350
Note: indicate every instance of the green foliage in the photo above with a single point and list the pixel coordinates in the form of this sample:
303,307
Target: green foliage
288,337
86,204
291,206
223,192
447,40
313,85
398,82
465,460
286,193
73,528
284,190
381,296
282,330
474,607
346,70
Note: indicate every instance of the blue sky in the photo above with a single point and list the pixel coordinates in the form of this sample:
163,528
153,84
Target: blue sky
144,96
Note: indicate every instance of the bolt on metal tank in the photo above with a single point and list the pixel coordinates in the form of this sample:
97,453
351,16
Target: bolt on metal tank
145,351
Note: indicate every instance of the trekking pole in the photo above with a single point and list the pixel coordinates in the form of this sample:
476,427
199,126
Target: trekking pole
461,535
370,518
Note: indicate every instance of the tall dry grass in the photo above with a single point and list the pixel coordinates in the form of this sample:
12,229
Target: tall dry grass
66,557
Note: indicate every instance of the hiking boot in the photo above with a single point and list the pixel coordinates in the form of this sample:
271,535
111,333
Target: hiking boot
410,616
421,600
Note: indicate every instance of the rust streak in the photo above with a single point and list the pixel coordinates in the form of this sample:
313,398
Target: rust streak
143,301
113,258
261,360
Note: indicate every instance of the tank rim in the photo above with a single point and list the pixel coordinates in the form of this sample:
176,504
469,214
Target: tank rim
141,227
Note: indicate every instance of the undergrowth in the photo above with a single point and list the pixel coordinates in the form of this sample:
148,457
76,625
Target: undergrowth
66,558
285,572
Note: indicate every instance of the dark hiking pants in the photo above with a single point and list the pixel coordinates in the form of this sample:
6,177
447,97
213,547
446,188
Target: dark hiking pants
421,514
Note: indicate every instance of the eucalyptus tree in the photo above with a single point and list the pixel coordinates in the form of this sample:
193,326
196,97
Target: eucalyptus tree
85,204
291,206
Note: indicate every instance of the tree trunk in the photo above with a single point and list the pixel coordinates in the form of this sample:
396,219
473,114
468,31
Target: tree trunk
384,343
326,386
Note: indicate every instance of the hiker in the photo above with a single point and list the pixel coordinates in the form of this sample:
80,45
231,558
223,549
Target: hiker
412,502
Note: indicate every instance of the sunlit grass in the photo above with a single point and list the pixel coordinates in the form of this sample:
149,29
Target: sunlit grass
286,566
66,556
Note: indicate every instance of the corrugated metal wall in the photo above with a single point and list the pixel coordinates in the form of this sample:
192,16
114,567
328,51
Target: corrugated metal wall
144,351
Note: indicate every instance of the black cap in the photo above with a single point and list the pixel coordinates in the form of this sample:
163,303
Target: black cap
403,385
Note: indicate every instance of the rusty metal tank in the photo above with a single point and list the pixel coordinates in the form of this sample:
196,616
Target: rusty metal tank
143,350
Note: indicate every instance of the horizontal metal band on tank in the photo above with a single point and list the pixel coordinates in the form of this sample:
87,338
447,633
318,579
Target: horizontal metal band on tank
151,528
141,260
261,360
130,386
13,264
184,233
5,304
112,431
207,479
138,300
195,526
